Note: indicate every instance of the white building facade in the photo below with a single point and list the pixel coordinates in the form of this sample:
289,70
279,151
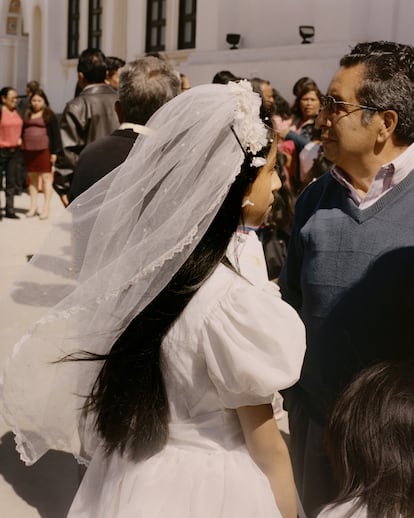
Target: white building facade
40,39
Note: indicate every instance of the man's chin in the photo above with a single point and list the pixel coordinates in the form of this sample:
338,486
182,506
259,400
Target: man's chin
328,150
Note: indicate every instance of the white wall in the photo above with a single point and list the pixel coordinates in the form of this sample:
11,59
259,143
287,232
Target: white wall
270,45
8,58
280,65
267,23
135,30
60,73
13,52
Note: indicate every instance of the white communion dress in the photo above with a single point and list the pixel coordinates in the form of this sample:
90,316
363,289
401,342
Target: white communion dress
235,344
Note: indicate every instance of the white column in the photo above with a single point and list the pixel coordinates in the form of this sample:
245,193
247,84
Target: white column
135,28
207,29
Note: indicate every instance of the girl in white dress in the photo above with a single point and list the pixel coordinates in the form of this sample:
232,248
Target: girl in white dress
185,341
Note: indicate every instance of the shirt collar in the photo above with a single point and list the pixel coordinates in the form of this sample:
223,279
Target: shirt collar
388,176
136,128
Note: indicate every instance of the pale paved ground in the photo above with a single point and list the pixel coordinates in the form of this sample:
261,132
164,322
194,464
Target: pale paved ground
47,488
21,237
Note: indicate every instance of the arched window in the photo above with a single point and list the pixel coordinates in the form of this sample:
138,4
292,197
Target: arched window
187,24
73,29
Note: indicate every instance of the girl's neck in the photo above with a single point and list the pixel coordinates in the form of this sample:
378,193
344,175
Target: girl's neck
245,229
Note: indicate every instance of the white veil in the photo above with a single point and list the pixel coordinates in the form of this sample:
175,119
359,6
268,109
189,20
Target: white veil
115,249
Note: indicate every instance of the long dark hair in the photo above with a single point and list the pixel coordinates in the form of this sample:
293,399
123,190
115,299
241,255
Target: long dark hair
47,111
129,396
370,441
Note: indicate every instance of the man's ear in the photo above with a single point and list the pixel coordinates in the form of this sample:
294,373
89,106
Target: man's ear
119,112
389,123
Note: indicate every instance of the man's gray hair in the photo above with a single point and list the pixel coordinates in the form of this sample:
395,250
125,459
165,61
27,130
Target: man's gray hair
144,86
387,83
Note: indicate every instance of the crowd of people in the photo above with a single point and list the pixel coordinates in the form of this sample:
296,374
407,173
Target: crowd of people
226,247
38,151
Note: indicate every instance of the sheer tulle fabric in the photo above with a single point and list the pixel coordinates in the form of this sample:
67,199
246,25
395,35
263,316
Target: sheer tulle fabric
114,250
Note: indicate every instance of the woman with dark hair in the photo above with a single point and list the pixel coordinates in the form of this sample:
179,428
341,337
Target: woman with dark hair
304,110
173,340
41,143
10,140
370,442
297,87
306,105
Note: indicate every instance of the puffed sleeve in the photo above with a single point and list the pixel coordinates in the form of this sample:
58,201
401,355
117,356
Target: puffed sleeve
254,344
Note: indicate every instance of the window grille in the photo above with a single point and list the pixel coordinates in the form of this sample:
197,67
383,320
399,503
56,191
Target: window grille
73,29
187,24
156,20
95,24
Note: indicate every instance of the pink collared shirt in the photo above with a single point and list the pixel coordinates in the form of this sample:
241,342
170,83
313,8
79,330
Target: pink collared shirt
387,177
10,128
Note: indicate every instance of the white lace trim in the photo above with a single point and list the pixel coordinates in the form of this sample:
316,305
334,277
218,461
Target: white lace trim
247,125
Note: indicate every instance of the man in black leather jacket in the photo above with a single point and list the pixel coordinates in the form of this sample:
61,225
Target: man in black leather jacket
85,118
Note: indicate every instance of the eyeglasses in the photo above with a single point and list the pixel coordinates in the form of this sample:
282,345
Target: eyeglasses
330,105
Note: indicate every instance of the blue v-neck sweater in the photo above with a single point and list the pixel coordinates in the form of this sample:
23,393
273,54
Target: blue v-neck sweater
349,273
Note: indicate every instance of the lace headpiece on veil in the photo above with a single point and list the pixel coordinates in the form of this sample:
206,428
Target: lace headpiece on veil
115,249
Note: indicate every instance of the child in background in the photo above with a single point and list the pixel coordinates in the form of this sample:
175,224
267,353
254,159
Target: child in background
370,442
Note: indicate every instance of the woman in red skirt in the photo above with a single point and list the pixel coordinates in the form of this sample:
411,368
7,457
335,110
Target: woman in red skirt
41,142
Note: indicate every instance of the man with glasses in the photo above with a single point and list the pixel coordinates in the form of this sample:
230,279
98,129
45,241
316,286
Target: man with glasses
87,117
350,263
